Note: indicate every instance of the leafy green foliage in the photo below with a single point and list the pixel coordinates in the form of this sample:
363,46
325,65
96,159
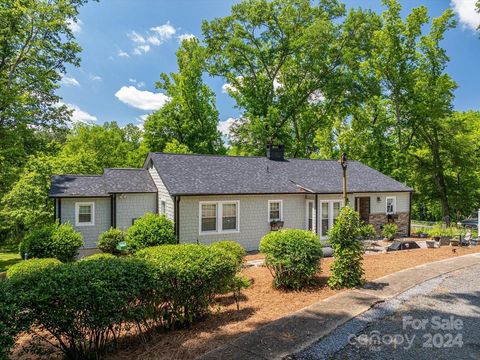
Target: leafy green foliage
109,240
27,267
188,278
367,232
85,304
150,230
389,230
344,238
292,256
233,248
99,256
190,117
58,241
10,322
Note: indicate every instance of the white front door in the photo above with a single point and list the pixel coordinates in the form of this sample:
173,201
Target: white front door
329,211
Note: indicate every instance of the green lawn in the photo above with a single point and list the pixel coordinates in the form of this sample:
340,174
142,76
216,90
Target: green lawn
8,256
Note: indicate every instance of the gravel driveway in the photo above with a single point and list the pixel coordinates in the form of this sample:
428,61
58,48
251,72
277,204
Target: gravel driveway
439,319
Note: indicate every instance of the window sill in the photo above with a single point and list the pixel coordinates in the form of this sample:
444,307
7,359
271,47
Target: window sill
84,224
218,232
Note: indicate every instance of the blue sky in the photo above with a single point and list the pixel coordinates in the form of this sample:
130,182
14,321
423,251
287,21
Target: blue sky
127,43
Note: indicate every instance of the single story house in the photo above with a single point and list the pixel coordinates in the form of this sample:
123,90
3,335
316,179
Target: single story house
240,198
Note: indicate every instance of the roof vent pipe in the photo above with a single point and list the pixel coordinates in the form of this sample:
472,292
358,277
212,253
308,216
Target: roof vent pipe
276,152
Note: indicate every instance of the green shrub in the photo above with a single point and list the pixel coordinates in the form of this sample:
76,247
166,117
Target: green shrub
150,230
86,304
344,238
109,240
99,256
189,276
236,250
292,256
37,242
58,241
27,267
389,231
10,323
367,232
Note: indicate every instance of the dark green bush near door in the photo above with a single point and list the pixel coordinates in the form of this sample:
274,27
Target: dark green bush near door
292,256
150,230
108,241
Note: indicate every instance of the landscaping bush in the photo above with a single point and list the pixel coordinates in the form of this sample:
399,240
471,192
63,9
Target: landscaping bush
58,241
234,249
109,240
344,238
367,232
189,276
292,256
389,231
27,267
81,306
150,230
37,242
99,256
10,323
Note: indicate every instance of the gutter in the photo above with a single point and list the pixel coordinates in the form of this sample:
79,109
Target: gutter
176,217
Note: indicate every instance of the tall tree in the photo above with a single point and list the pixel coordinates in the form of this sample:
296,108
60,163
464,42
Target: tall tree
36,42
190,116
282,62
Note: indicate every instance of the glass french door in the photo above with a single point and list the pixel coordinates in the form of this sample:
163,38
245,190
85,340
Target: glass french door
329,211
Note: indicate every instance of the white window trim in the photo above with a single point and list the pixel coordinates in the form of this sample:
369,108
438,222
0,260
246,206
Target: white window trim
281,210
394,198
77,213
330,203
219,214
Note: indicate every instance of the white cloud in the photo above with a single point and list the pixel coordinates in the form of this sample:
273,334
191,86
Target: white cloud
224,126
185,37
162,33
140,84
75,26
155,37
136,37
228,87
316,97
122,53
141,120
141,49
94,77
78,115
69,81
465,10
141,99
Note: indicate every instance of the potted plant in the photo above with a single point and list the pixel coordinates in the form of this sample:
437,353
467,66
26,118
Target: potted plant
276,225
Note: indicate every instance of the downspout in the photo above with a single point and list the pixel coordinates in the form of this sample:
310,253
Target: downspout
112,211
316,216
60,210
157,208
176,217
409,214
55,209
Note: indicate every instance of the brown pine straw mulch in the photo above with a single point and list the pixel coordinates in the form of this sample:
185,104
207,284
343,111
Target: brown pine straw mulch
261,304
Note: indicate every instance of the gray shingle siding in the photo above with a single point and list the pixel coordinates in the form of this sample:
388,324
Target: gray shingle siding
163,194
132,206
102,218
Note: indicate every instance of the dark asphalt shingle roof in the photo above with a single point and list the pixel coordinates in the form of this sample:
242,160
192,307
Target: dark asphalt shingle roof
112,181
210,174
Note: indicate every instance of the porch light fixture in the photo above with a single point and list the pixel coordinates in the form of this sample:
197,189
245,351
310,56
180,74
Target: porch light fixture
343,163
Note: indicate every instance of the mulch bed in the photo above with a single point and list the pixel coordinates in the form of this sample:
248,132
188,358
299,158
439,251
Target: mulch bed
262,304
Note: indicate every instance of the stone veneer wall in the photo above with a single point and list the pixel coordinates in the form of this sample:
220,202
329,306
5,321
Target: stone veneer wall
378,220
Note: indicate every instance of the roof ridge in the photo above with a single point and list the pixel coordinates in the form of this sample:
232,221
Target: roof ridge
79,175
245,156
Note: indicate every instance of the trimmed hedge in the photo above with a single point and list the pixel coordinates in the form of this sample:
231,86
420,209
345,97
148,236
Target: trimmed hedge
188,276
99,256
108,241
150,230
10,322
292,256
86,304
58,241
236,250
28,267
